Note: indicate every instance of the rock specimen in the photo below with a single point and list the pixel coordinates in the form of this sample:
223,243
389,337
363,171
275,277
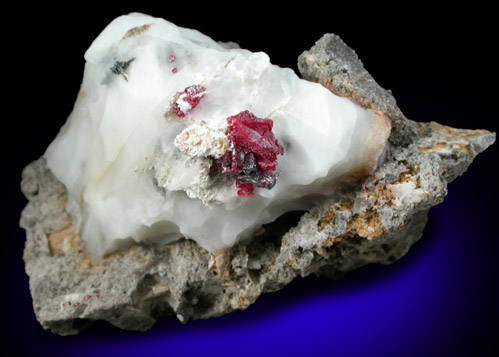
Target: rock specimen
370,216
211,152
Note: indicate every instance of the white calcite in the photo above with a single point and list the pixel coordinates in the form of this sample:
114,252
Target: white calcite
134,169
200,140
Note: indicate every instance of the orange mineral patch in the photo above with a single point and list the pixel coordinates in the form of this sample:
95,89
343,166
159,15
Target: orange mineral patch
65,238
367,226
456,134
328,217
436,148
465,148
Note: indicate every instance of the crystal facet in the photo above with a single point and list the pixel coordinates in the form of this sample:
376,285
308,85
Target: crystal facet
252,154
188,99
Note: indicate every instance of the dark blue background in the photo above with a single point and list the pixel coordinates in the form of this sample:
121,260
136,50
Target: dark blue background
440,299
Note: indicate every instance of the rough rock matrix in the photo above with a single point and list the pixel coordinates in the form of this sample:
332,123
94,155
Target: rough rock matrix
375,221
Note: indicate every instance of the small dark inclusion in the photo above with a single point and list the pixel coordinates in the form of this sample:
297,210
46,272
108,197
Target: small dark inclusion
120,68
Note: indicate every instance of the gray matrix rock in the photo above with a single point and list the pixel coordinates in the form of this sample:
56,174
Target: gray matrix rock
374,221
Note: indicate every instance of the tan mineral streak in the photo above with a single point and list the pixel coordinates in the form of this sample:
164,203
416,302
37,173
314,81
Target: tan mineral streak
63,239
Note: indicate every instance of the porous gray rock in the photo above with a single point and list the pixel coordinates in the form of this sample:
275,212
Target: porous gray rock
373,221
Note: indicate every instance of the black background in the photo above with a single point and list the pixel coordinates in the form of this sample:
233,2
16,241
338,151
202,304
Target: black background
440,64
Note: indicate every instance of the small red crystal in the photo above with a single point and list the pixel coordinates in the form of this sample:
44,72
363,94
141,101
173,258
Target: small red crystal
174,70
256,135
191,95
252,154
171,58
245,189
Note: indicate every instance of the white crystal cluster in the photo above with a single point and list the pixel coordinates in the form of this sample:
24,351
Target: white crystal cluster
136,156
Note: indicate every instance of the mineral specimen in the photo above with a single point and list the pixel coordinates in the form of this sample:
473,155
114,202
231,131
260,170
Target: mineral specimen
211,152
127,165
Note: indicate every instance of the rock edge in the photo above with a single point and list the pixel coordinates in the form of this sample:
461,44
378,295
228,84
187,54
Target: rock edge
375,221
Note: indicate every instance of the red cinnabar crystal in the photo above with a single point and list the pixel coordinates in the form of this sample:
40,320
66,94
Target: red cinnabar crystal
245,189
252,155
190,98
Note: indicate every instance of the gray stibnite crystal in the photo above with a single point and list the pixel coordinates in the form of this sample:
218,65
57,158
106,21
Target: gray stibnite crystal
374,221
